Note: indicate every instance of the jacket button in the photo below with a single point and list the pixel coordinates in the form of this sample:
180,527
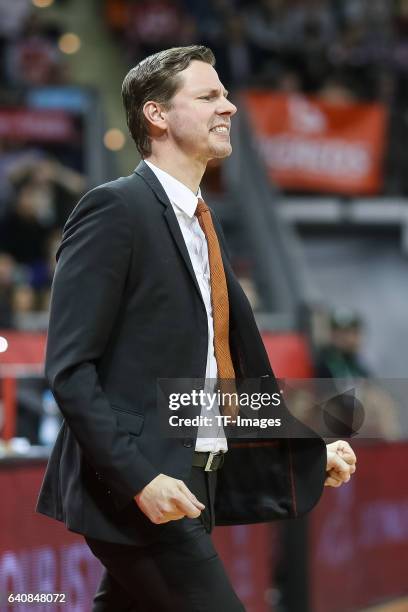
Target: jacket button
188,442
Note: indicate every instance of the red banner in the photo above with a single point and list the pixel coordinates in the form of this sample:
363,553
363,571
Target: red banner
289,354
23,348
359,534
249,553
38,125
38,555
288,351
310,144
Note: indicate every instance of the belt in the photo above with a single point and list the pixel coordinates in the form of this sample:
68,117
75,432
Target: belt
209,461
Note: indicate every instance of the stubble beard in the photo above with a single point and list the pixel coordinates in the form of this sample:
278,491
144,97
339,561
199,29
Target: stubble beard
220,151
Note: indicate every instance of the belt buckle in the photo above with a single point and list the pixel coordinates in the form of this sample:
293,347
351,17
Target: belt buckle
210,460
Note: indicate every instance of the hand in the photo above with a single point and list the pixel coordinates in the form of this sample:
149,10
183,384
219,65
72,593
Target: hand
167,499
341,463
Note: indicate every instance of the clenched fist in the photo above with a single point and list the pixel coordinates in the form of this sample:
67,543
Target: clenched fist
341,463
167,499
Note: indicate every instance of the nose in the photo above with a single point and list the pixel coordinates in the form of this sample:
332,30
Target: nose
228,108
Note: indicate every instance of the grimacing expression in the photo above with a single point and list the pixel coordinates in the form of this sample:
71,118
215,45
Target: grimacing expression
199,117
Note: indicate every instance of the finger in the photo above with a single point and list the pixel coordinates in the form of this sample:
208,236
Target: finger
186,491
190,495
185,505
350,459
341,477
346,452
335,475
334,479
171,516
335,462
332,482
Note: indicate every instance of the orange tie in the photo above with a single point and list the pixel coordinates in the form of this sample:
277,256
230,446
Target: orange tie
220,306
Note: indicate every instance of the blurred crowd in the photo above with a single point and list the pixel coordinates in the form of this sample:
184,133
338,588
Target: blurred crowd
342,51
29,51
37,191
43,194
350,48
339,49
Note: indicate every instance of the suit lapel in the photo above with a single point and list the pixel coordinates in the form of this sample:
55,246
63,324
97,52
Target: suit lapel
175,231
146,173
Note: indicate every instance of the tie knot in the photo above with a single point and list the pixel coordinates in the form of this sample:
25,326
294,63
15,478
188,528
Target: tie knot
201,207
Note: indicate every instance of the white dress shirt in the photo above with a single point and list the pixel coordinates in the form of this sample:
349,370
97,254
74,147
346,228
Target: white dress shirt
184,203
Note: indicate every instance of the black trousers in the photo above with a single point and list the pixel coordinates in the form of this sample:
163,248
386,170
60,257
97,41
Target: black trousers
179,572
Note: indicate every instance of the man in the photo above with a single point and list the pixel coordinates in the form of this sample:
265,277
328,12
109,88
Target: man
143,290
341,357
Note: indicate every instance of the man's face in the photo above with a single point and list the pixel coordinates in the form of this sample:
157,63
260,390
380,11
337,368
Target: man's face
347,340
199,117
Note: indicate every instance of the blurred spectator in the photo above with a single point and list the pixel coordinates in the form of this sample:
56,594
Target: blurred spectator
56,187
341,357
235,56
211,17
337,90
376,13
340,361
362,46
13,156
310,29
153,25
33,57
46,191
23,299
23,232
381,414
17,296
288,81
267,25
13,16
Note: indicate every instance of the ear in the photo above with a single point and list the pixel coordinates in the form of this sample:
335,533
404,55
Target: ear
155,116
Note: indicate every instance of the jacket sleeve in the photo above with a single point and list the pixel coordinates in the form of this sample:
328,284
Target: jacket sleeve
92,264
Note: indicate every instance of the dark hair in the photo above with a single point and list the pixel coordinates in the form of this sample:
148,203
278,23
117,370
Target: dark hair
156,78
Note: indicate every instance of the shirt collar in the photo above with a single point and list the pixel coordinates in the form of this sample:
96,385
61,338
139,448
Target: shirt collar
178,193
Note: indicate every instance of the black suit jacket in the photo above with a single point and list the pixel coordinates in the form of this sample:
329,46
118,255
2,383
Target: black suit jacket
126,310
